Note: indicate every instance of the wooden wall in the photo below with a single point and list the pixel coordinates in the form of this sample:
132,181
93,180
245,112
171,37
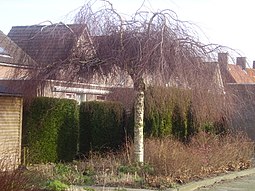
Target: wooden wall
10,131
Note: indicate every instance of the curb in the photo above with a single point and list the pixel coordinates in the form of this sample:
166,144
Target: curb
101,188
187,187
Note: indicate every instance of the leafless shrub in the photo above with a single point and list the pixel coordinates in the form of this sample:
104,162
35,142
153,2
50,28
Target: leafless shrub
13,178
206,155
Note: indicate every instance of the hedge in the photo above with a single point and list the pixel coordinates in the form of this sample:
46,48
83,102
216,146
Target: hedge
181,113
101,126
51,130
52,126
168,112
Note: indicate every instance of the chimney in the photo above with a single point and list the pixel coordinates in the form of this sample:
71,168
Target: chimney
223,59
241,61
253,66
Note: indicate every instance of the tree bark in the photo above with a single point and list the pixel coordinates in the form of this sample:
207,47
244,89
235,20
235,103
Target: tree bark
138,123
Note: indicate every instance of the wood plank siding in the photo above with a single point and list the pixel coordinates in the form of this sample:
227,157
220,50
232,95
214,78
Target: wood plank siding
10,131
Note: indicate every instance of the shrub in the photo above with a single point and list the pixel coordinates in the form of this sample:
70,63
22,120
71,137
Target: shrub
13,181
101,126
51,130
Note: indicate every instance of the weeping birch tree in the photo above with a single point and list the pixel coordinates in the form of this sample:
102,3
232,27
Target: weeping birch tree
153,48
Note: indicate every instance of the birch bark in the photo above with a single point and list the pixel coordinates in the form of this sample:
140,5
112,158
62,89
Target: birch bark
138,126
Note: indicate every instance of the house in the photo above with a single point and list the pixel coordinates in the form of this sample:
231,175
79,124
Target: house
12,57
57,46
15,64
48,44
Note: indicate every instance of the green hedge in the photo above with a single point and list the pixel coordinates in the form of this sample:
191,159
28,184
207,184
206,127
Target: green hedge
168,112
101,126
182,113
51,129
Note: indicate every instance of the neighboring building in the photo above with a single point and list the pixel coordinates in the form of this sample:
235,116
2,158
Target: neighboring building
237,73
12,57
48,44
15,65
56,45
239,83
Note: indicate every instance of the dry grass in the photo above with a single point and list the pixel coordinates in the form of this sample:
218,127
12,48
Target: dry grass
16,177
206,155
169,161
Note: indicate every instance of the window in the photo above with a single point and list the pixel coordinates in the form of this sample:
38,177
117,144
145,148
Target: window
100,97
4,53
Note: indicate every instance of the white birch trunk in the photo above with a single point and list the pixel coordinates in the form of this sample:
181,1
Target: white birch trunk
138,126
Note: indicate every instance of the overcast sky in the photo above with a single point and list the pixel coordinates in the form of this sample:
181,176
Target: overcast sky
226,22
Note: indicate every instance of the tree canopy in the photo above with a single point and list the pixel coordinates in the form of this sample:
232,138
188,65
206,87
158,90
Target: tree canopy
155,46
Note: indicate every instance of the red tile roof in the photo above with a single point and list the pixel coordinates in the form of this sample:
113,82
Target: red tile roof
251,72
240,76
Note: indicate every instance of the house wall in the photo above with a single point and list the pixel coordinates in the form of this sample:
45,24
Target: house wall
243,115
10,131
8,72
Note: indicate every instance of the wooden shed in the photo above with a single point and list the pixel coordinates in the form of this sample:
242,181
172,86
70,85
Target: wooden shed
10,130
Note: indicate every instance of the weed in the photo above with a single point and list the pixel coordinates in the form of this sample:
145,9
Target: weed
88,180
120,189
56,185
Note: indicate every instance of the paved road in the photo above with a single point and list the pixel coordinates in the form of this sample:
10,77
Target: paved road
246,183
